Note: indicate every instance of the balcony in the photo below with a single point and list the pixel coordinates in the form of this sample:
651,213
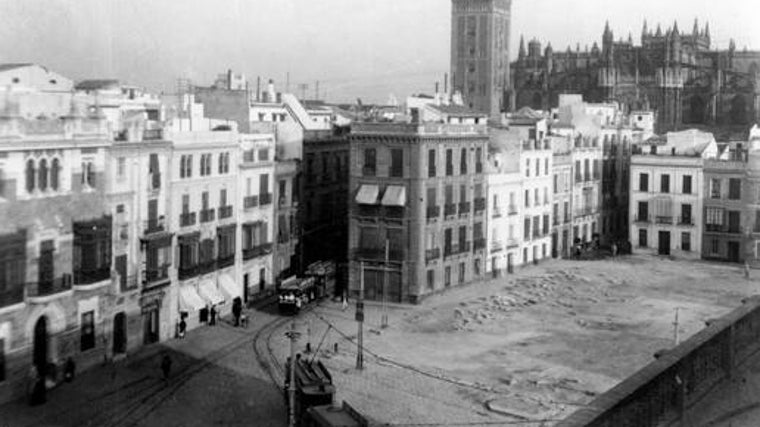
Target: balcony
449,170
685,220
156,275
250,202
450,250
479,167
714,227
207,215
257,251
369,171
432,254
642,218
464,247
663,219
374,254
206,266
394,212
154,225
512,243
464,208
450,209
187,272
496,246
478,244
187,219
225,261
153,134
43,289
480,204
12,296
733,229
369,211
512,210
265,199
225,212
496,212
433,212
86,277
555,221
432,172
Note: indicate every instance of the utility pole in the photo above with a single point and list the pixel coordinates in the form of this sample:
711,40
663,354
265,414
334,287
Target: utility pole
675,328
384,319
293,335
360,320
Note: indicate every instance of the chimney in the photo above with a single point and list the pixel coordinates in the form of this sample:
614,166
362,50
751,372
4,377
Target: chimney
271,95
446,83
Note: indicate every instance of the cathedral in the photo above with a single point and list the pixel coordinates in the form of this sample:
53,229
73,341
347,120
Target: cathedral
677,74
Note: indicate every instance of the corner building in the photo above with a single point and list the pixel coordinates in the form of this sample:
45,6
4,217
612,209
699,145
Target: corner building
420,187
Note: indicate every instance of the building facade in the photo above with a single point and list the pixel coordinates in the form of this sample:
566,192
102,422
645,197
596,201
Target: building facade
504,210
667,199
56,286
480,54
419,196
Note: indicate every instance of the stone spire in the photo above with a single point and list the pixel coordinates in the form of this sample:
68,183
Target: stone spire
521,53
659,31
695,31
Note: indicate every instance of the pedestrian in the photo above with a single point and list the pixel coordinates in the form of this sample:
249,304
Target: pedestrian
614,249
182,327
345,302
213,315
166,366
237,309
746,270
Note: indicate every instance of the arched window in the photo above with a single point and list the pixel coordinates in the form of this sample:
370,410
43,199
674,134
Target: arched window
55,169
30,175
43,175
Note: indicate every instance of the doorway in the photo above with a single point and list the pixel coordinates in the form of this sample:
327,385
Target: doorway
733,251
120,333
663,243
555,239
40,353
150,326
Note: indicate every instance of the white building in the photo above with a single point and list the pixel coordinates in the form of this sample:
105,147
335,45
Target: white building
667,182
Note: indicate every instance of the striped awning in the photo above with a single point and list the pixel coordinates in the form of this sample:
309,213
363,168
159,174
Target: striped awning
189,300
395,195
367,194
210,293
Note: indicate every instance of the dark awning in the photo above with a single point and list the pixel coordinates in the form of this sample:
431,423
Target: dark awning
161,239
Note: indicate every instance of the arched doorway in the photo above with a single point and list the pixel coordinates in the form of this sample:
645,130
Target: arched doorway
739,110
120,333
40,352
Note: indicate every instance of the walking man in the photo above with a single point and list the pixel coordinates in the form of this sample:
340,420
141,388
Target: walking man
213,315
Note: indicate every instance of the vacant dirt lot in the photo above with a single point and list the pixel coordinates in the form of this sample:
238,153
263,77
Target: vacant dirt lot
533,345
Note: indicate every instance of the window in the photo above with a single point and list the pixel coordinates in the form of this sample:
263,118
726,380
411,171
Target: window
223,197
546,195
463,162
264,183
449,162
685,213
431,279
714,246
586,170
42,181
263,154
734,188
479,160
643,238
55,170
92,251
186,166
686,242
665,183
536,198
30,175
734,221
714,219
226,242
527,198
206,164
546,225
527,168
447,237
431,163
538,167
643,182
447,276
643,213
370,157
686,186
87,340
185,203
556,183
715,188
462,238
121,167
476,266
224,163
46,269
546,166
526,231
578,171
397,163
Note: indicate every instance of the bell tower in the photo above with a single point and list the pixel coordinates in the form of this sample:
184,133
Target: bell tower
480,35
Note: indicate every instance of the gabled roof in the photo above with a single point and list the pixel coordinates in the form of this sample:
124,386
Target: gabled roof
6,67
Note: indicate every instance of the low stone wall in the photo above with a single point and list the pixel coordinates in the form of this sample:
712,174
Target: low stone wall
663,391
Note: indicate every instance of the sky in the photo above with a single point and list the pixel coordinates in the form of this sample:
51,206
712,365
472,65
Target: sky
365,49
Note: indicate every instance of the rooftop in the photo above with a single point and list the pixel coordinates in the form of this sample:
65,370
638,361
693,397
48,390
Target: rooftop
6,67
97,84
456,110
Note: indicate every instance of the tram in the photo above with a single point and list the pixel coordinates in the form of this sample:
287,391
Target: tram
323,273
334,416
295,293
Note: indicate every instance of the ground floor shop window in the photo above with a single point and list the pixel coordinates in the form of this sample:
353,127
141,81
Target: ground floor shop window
88,331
